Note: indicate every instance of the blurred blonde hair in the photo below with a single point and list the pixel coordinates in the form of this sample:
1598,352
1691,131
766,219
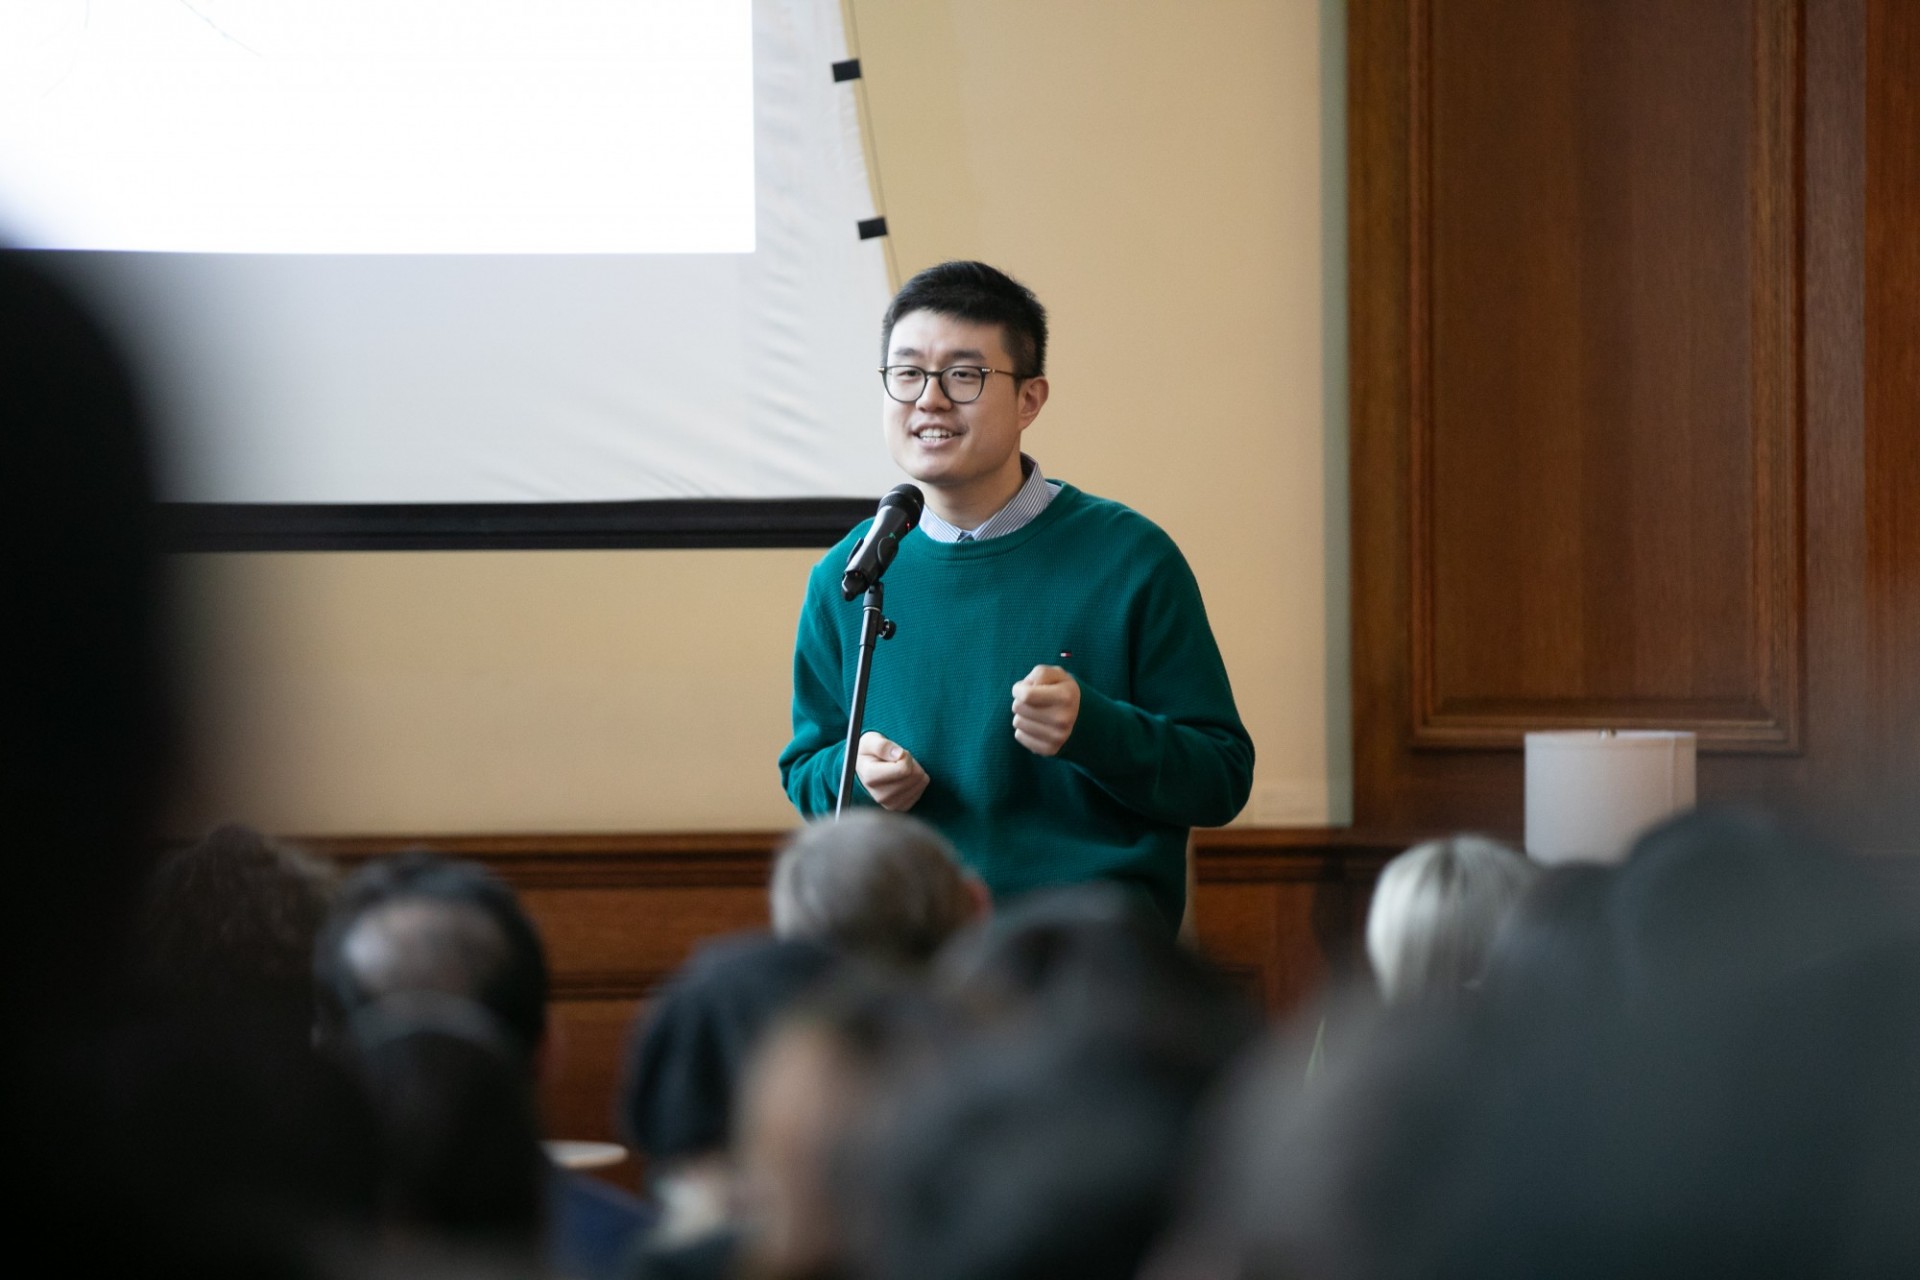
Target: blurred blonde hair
1435,913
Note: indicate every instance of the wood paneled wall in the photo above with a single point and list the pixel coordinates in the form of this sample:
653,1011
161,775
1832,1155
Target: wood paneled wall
1610,461
1603,396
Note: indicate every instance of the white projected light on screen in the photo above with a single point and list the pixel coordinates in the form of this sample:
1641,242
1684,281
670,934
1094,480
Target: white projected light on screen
378,126
418,252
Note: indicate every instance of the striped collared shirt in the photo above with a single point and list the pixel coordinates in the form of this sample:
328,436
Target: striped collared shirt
1032,499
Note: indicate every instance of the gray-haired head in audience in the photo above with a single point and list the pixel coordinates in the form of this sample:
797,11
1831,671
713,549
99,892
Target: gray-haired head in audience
420,922
880,885
1435,913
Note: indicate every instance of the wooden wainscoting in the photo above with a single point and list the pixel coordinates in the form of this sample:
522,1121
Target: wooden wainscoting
1279,909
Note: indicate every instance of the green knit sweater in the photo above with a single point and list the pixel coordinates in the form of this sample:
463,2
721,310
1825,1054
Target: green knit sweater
1157,749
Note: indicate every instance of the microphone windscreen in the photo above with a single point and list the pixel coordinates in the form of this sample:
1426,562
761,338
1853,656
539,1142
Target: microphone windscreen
907,497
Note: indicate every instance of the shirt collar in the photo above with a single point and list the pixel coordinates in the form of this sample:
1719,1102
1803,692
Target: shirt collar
1034,495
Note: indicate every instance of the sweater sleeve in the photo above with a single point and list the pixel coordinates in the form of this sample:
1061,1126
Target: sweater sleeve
810,765
1177,753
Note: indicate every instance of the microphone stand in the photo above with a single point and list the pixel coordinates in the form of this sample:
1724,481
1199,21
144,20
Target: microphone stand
874,627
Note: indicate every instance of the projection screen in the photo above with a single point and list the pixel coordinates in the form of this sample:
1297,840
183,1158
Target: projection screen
487,273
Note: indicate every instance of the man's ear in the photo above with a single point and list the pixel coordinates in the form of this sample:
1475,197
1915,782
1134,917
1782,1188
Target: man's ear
1033,398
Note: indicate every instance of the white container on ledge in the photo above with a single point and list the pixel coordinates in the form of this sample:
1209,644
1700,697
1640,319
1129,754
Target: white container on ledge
1590,793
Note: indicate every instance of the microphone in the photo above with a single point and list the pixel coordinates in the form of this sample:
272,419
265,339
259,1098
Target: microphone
898,516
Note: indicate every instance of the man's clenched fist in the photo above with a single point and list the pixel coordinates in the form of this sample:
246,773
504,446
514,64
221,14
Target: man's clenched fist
1045,706
889,772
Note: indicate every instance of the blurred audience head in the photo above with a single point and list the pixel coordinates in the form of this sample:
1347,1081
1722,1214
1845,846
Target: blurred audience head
228,928
881,885
1026,1158
164,1147
1329,1173
1555,950
1718,895
88,734
461,1157
431,983
1094,960
686,1062
422,923
1435,912
820,1086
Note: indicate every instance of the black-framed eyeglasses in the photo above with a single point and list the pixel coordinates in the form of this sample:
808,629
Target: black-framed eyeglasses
960,383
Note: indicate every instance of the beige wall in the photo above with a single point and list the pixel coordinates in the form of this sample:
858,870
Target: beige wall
1161,174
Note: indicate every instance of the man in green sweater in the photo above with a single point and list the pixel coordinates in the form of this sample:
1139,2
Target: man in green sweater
1054,701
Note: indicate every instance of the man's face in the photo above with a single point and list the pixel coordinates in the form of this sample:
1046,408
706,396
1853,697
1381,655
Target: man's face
968,454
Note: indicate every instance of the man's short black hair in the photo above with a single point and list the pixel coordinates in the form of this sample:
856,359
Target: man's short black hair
978,293
455,928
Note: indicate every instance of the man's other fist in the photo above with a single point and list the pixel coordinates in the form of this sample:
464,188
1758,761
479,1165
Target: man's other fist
1045,706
